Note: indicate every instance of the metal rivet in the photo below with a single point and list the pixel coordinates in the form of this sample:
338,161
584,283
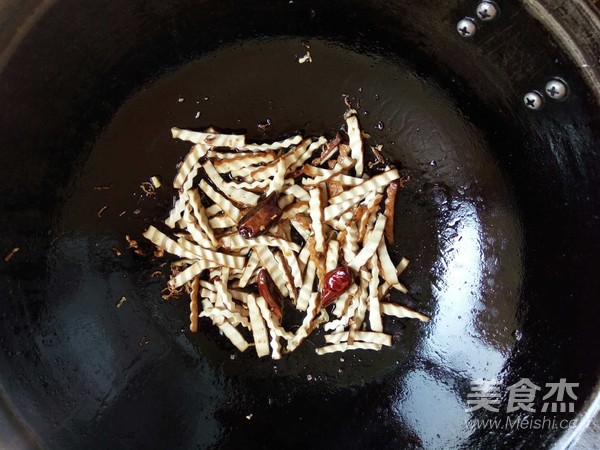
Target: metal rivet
533,100
487,11
466,27
556,89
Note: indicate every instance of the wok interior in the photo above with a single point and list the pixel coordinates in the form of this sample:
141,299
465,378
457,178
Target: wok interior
498,220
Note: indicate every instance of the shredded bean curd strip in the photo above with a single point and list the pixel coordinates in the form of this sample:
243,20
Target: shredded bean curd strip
369,250
237,141
221,222
363,336
268,260
189,164
164,242
374,306
307,286
345,347
307,323
259,330
333,253
201,217
316,215
295,140
367,186
238,195
225,204
237,162
355,141
391,309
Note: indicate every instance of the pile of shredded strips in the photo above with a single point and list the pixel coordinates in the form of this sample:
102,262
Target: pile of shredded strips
243,265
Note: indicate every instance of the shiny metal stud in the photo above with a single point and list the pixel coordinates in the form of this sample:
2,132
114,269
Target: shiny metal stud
466,27
487,11
534,100
556,89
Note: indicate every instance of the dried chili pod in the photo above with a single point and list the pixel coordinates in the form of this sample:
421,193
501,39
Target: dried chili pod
270,292
260,218
335,284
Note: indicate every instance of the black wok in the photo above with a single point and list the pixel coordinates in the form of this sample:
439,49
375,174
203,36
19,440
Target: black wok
500,218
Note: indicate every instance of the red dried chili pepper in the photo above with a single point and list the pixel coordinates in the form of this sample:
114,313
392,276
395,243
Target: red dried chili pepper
260,218
335,284
270,292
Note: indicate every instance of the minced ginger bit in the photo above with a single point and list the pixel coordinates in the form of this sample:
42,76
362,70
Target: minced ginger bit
12,253
237,230
306,58
101,211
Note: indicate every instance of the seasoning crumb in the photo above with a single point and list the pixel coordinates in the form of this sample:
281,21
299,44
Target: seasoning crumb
116,251
144,340
156,273
122,213
198,114
12,253
309,377
181,100
131,242
137,211
249,416
103,188
378,155
101,211
306,44
264,125
121,301
306,58
148,188
155,180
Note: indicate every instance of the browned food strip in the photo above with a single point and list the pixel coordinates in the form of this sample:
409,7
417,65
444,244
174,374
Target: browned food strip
378,155
334,188
260,218
304,221
364,220
344,150
194,305
358,214
288,275
269,291
130,242
329,148
390,202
